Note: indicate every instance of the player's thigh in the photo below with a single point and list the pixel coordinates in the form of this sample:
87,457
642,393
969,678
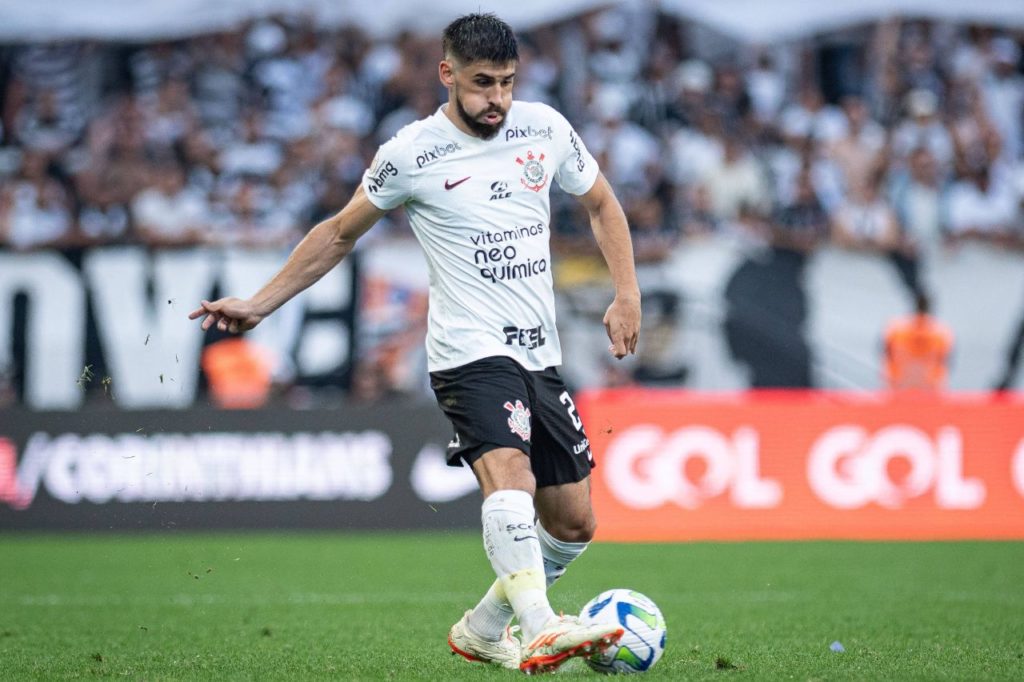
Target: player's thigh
560,450
503,469
565,511
488,405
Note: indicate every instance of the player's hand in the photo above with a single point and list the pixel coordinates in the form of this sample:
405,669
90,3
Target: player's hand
622,322
229,314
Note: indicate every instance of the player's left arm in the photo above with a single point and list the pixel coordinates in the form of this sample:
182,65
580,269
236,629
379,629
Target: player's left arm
608,221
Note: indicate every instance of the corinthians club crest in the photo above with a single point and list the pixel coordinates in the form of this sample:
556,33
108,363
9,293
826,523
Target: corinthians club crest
534,175
519,422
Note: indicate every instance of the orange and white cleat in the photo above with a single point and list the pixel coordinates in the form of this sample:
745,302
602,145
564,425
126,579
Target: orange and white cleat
506,652
566,638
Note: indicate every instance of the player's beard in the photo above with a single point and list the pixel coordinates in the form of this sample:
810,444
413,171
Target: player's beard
483,130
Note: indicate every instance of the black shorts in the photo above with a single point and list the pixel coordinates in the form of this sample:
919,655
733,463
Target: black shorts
496,403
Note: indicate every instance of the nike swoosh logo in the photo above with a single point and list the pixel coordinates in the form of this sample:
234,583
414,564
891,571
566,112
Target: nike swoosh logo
453,185
434,481
524,537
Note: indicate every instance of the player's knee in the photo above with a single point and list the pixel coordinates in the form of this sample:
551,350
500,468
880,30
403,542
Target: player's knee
576,529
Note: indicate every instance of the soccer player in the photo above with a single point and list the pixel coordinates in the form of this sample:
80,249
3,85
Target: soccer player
474,179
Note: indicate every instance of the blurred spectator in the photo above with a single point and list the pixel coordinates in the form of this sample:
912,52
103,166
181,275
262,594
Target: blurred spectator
866,221
923,128
252,214
693,78
102,219
169,213
975,139
858,153
628,154
981,206
35,210
917,350
695,149
916,195
729,98
738,181
56,86
801,224
695,212
168,117
151,66
1003,90
654,240
251,152
766,87
41,125
827,121
218,82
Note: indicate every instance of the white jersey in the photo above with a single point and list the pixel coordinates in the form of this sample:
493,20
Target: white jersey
481,211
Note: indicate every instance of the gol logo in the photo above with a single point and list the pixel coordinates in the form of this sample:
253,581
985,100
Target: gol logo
645,467
1018,468
848,468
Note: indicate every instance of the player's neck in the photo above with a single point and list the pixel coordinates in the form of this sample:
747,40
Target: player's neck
452,114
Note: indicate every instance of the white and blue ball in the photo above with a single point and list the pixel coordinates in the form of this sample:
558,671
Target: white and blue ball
643,639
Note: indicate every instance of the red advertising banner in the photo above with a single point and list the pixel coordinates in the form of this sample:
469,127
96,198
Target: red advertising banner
673,465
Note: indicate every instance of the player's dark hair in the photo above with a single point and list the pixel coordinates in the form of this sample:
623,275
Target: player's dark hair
480,37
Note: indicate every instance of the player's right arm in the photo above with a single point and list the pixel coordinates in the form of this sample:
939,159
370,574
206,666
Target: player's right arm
321,249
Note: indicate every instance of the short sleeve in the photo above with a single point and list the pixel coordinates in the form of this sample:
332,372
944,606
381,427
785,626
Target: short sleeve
385,182
578,170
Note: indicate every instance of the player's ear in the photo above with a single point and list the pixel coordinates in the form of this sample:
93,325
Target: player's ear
446,72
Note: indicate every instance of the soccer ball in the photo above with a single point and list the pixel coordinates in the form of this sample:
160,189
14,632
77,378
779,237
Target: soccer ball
642,642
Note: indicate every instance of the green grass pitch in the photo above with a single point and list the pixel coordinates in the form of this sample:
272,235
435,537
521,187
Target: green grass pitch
378,607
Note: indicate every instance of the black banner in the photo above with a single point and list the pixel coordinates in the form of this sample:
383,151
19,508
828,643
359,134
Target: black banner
360,467
112,323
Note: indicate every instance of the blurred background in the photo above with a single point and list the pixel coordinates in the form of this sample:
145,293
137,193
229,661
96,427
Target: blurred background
800,178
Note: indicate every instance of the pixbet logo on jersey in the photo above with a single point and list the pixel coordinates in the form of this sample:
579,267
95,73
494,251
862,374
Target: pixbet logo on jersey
646,467
848,467
515,133
429,156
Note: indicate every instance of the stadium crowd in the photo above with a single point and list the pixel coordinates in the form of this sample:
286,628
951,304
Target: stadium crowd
911,136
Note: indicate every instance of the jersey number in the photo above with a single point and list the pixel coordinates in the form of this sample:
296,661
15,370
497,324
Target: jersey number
566,399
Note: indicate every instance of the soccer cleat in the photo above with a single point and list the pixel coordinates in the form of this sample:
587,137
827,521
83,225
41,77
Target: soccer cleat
506,652
565,638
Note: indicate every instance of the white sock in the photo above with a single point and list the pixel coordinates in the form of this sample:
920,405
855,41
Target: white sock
493,614
558,554
510,538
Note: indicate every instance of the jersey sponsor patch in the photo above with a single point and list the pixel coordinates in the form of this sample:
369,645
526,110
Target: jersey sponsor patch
379,174
438,152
